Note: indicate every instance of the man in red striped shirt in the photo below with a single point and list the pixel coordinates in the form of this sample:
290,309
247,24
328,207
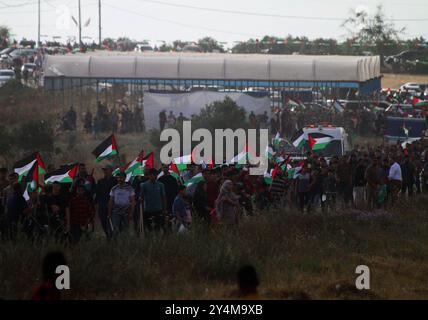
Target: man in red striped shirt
81,213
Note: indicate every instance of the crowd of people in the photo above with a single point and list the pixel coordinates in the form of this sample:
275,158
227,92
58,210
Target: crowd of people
121,119
368,178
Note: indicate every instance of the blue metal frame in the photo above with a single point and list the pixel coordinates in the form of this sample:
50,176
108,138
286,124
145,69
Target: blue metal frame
54,83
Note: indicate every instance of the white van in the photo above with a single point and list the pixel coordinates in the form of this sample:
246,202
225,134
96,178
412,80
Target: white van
339,146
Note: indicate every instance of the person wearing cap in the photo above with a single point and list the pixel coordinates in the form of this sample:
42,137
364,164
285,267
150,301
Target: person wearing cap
102,197
153,202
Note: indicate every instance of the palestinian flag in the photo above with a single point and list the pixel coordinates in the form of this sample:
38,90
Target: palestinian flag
338,107
279,160
269,152
149,161
65,174
277,140
195,179
31,181
299,139
268,176
421,104
136,167
106,149
23,166
173,171
183,162
318,141
242,157
293,103
284,164
294,172
405,130
415,101
409,141
418,103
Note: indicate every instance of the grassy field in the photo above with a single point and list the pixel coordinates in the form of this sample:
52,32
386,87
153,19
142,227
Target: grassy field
394,81
315,254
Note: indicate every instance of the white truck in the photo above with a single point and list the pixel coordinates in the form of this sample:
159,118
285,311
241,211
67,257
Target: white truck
339,144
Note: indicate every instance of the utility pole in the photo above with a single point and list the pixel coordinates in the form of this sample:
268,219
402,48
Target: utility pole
80,26
99,25
38,27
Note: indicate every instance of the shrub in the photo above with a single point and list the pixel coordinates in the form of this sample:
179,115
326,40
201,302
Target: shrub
34,135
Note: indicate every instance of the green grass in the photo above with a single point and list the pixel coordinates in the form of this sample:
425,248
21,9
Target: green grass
314,254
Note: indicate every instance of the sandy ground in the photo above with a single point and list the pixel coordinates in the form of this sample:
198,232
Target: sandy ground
394,81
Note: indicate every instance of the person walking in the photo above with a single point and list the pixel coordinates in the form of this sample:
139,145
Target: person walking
200,203
121,205
302,188
181,210
395,179
227,204
374,182
153,202
102,198
80,215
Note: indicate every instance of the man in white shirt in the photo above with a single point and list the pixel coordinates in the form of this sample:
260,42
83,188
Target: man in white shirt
395,179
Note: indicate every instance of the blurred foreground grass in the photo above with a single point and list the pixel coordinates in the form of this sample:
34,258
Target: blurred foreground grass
315,254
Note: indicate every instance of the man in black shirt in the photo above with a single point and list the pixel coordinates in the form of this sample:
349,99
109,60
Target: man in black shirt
359,181
58,207
408,174
171,189
103,189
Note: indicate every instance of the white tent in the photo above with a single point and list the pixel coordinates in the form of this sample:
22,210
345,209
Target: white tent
214,66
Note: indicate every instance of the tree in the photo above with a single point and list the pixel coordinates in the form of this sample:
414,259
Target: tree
165,48
208,44
109,43
373,31
34,135
4,36
221,115
178,45
250,46
125,44
224,114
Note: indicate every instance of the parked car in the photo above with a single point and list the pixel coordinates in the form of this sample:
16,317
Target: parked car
411,86
4,54
5,76
409,61
30,67
192,48
20,52
144,48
